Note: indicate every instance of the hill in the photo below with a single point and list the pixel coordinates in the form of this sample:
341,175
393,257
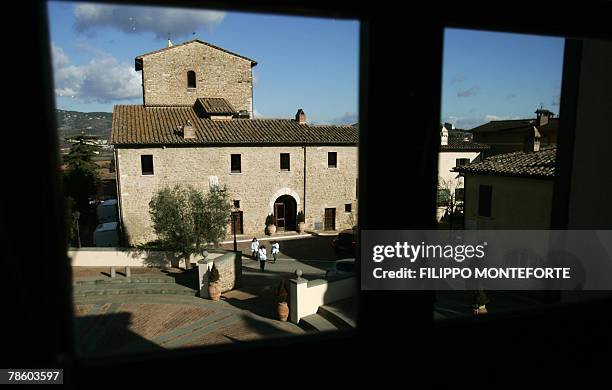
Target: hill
71,123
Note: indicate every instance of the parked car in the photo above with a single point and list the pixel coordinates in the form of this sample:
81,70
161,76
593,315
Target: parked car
346,242
341,267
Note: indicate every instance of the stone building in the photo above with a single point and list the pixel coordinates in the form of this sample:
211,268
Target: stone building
195,128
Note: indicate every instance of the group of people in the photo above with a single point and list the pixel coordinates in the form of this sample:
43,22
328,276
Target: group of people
260,253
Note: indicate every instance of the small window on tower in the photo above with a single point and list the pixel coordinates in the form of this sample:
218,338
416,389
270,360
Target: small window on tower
191,79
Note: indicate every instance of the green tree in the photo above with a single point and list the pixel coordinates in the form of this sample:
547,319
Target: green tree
186,221
81,177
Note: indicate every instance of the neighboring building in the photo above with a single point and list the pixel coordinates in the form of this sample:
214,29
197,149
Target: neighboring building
456,149
510,191
507,136
195,129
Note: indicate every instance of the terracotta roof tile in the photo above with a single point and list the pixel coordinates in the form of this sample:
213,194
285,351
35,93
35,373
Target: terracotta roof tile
140,125
523,164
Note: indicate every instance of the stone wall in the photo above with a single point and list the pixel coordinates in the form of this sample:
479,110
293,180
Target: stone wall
218,74
230,272
257,187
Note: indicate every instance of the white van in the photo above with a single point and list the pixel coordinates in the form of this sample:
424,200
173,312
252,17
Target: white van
107,234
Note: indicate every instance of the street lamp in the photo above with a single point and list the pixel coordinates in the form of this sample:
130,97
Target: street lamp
234,229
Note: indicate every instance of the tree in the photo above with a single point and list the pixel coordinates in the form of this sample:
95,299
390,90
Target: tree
186,221
81,177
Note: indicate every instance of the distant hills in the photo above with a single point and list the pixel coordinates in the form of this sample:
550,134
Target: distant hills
71,123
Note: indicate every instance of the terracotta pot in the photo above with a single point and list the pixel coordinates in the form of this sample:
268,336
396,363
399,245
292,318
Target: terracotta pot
271,230
301,227
214,292
283,311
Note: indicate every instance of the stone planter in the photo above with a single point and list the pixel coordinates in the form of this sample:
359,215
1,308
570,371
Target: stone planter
301,227
271,230
214,292
283,311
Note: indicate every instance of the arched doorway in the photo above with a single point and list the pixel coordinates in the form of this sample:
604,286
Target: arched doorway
285,210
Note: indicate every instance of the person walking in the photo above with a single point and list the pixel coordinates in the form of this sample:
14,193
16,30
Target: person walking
254,248
262,257
275,250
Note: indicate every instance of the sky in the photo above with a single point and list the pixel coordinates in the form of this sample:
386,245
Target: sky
308,63
493,76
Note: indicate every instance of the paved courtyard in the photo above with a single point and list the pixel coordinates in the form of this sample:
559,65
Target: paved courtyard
154,315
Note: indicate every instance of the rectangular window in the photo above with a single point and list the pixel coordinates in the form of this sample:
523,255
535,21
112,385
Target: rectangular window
146,164
332,160
236,204
236,163
348,208
462,161
484,200
285,162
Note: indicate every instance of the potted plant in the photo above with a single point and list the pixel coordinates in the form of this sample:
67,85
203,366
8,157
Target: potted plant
479,302
270,224
301,222
214,291
281,296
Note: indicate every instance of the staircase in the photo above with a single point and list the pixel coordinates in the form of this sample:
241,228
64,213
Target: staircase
167,285
339,315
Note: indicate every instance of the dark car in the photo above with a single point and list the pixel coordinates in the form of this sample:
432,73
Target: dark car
346,242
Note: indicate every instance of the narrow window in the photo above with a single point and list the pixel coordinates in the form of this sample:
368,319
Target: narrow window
146,164
462,161
332,159
191,79
236,164
484,200
348,208
285,162
236,204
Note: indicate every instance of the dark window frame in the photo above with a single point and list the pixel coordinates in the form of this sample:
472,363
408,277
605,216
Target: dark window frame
285,159
236,165
332,160
57,343
146,161
485,200
348,207
192,82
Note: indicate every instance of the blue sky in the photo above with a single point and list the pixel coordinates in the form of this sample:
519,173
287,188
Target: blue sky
491,76
307,63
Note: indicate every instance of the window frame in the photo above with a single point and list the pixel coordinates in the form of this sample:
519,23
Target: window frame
335,165
288,161
195,80
239,162
142,165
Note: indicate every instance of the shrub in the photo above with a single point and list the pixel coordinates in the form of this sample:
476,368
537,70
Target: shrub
213,276
270,220
301,217
281,292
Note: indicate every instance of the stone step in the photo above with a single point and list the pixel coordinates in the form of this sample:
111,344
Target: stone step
127,289
124,280
337,317
316,322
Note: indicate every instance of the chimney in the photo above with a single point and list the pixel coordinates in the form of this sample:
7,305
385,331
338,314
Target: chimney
300,117
444,135
532,141
543,116
188,131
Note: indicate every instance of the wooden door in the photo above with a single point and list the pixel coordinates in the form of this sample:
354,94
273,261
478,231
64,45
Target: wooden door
279,215
330,219
237,222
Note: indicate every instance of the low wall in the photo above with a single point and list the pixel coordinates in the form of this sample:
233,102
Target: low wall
229,265
122,257
305,296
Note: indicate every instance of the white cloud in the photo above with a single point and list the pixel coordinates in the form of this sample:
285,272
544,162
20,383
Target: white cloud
135,19
348,118
102,80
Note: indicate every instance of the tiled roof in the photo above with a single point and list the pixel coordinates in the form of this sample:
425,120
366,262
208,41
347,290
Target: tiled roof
513,125
217,106
523,164
253,62
455,144
140,125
